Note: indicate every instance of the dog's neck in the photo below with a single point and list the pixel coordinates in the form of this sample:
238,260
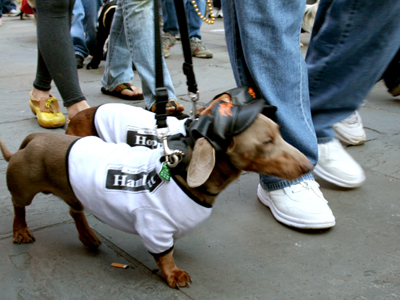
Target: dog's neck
221,176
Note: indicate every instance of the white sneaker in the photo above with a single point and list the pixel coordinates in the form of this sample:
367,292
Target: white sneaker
168,40
300,205
218,13
11,13
337,166
199,49
350,131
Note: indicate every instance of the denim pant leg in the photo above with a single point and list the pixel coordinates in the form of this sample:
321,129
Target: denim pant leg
9,6
349,51
118,68
132,37
264,51
169,17
83,27
391,77
194,20
90,22
77,30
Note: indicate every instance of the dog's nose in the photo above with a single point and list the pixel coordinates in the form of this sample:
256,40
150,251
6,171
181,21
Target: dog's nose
306,166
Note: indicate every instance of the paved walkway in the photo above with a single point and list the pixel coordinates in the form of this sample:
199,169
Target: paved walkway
241,252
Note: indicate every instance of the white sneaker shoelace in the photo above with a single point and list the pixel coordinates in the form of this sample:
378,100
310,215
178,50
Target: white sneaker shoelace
305,186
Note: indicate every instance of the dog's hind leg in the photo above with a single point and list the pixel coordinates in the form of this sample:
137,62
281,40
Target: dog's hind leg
21,232
86,234
21,196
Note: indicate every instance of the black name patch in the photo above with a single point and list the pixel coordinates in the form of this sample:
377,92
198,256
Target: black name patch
122,178
142,137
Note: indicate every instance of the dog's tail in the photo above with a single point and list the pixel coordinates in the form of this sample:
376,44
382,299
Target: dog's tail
6,153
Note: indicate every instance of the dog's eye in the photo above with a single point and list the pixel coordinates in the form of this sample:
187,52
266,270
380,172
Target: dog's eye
267,141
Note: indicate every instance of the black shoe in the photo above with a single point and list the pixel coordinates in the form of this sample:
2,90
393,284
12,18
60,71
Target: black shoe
79,61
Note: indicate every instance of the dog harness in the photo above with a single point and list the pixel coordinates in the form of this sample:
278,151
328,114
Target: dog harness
122,187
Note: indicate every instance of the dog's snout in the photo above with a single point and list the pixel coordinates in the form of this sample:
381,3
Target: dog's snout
306,166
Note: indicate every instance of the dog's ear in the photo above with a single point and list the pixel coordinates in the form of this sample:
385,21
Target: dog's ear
201,164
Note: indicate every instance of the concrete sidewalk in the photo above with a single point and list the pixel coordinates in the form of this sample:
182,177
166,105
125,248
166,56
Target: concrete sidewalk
240,252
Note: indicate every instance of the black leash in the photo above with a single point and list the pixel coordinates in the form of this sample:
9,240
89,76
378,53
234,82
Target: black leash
161,91
172,157
187,53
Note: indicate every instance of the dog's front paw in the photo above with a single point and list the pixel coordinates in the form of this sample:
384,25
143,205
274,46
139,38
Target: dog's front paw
90,240
23,235
177,278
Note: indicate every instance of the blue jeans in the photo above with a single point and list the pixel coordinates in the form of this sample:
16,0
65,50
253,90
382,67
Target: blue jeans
263,39
83,27
351,46
194,22
132,37
6,6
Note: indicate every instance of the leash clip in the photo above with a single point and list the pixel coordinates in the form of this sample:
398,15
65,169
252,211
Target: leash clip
194,97
172,157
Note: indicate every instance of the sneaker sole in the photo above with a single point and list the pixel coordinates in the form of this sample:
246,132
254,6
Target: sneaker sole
336,180
347,142
203,56
396,91
288,220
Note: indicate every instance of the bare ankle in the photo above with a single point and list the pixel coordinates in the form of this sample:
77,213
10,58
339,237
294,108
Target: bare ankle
38,94
77,107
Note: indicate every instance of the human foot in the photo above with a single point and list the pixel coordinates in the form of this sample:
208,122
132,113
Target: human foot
46,109
77,107
125,91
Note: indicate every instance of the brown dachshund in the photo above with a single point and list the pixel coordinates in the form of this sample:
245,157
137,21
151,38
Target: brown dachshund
258,148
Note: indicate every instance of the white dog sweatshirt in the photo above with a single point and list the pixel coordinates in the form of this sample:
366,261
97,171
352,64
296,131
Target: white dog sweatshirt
121,123
121,186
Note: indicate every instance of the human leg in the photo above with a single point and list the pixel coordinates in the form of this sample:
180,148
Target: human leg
57,62
264,52
196,44
133,27
9,6
78,33
194,21
170,26
91,8
169,17
83,28
1,11
118,70
391,77
347,56
252,42
351,45
118,67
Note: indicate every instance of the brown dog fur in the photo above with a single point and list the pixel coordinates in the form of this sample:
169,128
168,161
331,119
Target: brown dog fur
260,148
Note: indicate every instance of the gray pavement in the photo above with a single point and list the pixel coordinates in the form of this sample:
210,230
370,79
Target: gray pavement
240,252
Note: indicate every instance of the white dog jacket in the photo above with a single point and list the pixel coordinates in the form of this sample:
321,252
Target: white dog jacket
121,186
121,123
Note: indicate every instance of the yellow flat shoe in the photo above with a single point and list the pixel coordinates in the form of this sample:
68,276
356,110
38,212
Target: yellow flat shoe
47,112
